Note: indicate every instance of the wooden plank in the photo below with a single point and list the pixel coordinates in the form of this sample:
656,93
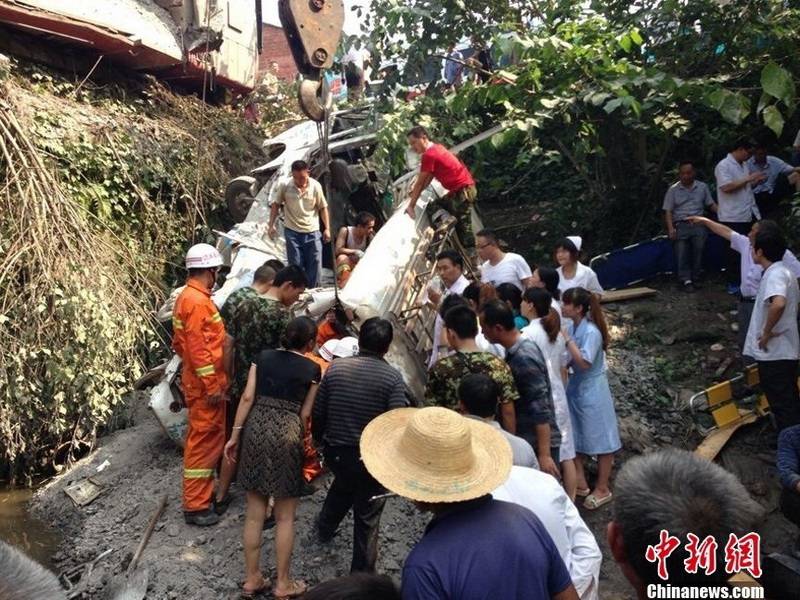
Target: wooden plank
710,447
628,294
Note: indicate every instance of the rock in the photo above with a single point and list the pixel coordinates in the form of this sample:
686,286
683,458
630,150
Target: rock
200,540
173,530
627,317
717,347
734,327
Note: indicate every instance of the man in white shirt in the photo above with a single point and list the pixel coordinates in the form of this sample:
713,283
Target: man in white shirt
543,496
737,205
772,338
450,268
500,267
354,61
750,272
780,182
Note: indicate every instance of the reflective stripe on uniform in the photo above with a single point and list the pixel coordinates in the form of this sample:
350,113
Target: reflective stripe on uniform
216,318
198,473
177,323
205,371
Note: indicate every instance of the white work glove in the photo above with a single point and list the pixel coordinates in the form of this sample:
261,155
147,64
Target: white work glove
359,254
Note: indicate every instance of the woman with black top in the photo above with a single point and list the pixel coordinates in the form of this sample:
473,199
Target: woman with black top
270,424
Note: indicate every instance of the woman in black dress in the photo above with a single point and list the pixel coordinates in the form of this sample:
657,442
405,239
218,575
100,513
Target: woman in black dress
270,421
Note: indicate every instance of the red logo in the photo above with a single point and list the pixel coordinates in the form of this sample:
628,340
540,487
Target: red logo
741,554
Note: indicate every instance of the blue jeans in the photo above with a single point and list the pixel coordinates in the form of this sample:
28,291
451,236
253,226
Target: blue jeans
689,244
305,251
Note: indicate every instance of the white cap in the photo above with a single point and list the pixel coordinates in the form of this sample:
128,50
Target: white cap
577,240
339,348
203,256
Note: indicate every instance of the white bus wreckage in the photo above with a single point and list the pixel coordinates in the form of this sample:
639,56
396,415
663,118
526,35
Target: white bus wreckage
389,281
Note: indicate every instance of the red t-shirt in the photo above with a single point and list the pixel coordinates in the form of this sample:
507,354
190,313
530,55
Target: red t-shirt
446,168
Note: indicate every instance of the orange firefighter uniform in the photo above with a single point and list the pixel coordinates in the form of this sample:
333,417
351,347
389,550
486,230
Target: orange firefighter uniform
198,340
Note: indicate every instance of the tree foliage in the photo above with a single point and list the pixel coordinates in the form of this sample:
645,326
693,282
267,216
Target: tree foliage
609,95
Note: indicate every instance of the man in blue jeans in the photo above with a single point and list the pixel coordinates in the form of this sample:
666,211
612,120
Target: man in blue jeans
687,198
304,205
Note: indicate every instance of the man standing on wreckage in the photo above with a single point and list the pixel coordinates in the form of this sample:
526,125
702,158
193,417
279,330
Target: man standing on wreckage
444,166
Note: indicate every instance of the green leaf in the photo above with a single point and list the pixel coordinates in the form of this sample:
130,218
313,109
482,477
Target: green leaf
636,37
773,119
625,42
777,82
613,105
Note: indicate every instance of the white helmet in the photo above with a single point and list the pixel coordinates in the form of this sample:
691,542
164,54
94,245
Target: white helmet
203,256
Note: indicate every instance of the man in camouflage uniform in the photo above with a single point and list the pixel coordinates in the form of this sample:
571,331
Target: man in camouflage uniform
256,323
461,328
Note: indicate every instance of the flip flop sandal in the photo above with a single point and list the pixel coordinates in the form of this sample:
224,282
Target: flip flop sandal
257,592
582,492
298,589
593,503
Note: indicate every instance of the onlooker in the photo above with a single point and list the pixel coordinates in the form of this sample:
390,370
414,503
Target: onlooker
270,422
481,59
772,338
498,266
475,547
255,321
353,392
304,205
780,181
351,243
547,278
750,272
21,577
589,396
687,198
354,62
536,419
478,398
571,272
453,69
789,471
545,330
439,163
680,493
477,294
450,268
736,203
542,495
796,150
512,296
358,586
461,327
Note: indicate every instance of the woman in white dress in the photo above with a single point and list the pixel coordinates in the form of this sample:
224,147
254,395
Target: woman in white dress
545,329
571,272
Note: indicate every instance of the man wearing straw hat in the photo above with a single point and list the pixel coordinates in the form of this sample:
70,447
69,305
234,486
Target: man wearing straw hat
449,465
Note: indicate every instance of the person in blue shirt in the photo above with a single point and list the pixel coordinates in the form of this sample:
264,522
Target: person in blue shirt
512,295
789,472
475,547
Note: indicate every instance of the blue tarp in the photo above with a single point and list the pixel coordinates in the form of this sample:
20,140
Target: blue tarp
645,260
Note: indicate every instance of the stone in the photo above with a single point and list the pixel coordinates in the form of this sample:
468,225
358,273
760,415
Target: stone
717,347
173,530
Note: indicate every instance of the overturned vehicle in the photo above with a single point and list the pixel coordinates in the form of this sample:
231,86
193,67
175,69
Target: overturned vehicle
390,280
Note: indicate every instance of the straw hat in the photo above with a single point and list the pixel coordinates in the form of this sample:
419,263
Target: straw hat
435,455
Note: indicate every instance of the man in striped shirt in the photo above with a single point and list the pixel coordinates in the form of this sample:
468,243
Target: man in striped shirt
352,393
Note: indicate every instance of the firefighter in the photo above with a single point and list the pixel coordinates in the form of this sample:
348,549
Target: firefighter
199,337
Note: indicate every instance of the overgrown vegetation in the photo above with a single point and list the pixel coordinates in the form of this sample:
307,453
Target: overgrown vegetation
101,189
600,101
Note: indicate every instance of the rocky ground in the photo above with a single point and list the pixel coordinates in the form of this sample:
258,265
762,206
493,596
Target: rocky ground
665,348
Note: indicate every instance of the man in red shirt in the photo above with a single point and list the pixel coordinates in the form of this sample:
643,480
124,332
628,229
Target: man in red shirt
440,163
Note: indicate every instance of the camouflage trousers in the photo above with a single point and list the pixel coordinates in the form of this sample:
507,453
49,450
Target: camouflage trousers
459,204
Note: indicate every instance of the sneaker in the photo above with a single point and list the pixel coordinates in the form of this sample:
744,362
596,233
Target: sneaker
201,518
733,289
